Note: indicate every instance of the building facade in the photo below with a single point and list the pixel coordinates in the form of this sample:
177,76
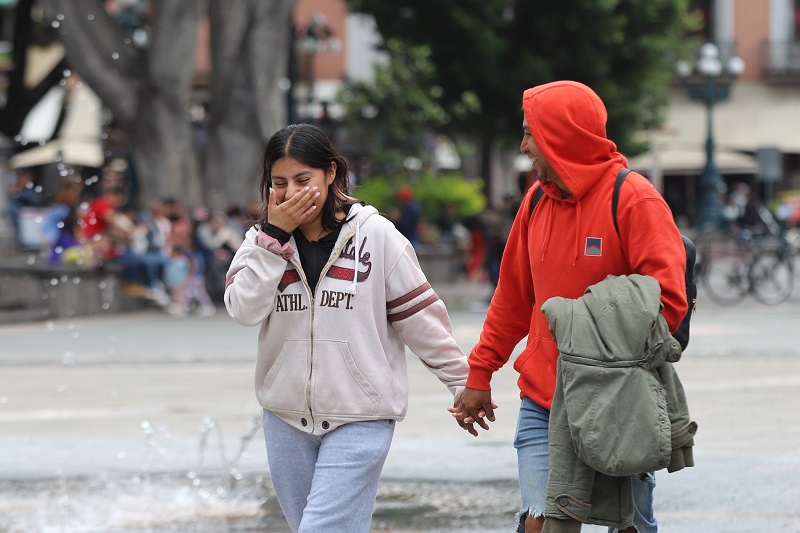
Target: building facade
756,129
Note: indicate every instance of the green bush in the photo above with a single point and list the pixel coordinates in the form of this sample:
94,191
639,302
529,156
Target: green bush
432,191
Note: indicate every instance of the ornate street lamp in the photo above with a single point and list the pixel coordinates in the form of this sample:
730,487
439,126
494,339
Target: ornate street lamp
709,81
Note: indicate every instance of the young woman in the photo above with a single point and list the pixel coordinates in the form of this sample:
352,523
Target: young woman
338,293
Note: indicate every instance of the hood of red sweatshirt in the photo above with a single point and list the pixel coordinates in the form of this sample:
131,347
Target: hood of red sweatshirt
568,123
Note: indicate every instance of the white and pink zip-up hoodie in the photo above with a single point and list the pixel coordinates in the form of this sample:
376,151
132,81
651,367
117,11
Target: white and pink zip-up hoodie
338,355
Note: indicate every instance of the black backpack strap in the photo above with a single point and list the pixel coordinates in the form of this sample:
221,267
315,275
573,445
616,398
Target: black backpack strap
615,197
536,197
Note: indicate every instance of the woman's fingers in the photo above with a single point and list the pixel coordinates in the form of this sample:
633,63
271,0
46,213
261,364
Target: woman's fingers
291,212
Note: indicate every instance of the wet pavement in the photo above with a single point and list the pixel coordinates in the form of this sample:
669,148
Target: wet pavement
144,422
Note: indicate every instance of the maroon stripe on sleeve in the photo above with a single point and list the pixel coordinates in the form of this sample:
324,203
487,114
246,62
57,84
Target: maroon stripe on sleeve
394,317
408,297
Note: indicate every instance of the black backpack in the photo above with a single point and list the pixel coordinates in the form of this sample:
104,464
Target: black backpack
682,333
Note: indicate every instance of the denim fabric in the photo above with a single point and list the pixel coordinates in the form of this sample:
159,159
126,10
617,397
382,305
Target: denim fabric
532,458
643,517
328,482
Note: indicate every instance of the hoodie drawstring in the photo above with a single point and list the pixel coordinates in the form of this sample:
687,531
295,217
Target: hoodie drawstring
351,289
577,234
548,228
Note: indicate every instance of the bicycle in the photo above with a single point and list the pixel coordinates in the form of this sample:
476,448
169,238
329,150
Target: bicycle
732,267
793,239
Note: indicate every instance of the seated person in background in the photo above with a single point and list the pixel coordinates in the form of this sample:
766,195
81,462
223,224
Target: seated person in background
70,246
20,192
54,223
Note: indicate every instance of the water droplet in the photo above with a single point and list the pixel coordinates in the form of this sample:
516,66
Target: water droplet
115,55
50,325
66,73
54,282
90,16
61,389
55,24
3,399
68,359
60,16
120,455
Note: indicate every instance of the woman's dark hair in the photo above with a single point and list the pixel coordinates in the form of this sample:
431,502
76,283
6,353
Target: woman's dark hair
310,146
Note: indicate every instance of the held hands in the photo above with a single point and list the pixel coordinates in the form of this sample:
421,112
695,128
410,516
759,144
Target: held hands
287,214
473,406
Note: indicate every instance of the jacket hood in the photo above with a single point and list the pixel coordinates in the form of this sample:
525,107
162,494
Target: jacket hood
568,123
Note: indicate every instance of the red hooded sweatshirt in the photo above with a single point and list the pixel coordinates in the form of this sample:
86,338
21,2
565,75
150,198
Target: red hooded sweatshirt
568,244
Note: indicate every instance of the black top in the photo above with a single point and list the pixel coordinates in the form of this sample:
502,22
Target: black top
313,254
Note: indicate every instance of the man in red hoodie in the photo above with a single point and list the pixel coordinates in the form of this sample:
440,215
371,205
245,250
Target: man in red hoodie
564,245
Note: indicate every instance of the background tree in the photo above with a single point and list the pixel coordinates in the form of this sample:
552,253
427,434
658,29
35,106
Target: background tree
624,49
249,54
148,89
395,113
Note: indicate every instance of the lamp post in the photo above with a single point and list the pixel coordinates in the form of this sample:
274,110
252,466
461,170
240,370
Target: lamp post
709,81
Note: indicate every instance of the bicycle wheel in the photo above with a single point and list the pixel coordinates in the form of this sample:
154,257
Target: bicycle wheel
793,240
771,277
795,296
725,279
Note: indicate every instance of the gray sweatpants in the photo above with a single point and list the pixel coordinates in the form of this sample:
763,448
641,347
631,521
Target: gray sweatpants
327,483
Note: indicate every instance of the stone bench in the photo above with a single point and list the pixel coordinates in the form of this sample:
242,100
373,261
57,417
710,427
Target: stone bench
32,286
440,262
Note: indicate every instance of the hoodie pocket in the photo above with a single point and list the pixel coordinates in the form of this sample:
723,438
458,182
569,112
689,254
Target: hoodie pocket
338,385
284,386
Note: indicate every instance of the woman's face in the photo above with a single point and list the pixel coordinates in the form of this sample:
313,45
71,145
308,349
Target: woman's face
289,177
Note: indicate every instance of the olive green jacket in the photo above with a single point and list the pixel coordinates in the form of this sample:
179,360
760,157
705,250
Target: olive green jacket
619,408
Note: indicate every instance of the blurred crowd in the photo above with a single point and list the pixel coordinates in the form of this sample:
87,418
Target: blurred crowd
172,257
479,240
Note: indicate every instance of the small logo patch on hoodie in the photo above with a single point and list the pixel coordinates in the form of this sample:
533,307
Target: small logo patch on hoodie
594,246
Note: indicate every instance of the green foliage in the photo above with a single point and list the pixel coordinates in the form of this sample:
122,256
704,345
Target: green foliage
432,191
392,115
495,49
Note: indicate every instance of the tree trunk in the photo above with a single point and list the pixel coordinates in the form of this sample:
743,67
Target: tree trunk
162,135
148,92
249,56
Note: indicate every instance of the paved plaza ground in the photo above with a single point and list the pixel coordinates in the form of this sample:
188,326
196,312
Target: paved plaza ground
143,422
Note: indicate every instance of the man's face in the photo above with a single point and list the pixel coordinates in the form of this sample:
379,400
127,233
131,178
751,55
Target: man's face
544,172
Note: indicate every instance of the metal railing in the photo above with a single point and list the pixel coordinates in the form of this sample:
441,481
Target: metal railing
780,61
